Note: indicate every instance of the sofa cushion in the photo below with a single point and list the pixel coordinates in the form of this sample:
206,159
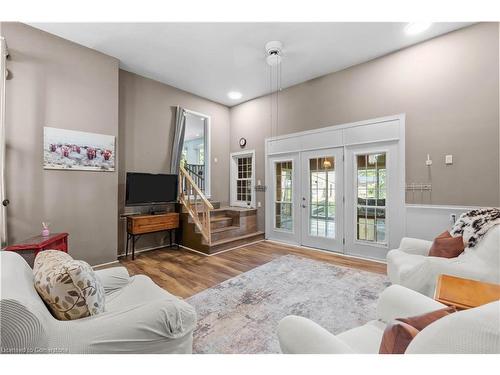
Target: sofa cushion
140,289
399,263
69,287
142,292
364,339
446,246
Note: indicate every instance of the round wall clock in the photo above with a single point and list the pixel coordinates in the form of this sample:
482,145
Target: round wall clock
243,142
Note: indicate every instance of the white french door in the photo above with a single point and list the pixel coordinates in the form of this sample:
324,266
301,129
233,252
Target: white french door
374,208
284,198
352,204
340,188
322,179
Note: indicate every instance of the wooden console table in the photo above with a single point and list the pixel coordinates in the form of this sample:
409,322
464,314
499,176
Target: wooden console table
138,225
465,293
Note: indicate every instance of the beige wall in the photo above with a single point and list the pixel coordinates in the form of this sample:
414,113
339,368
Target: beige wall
147,117
449,89
60,84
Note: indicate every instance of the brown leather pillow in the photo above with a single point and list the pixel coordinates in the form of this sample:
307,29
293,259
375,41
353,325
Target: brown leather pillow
399,333
446,246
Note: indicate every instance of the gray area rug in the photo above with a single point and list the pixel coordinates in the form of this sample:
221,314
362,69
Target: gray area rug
241,315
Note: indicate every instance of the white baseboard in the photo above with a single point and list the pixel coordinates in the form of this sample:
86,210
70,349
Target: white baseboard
137,252
222,251
327,252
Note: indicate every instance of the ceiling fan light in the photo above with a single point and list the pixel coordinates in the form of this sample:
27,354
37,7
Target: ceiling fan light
273,60
234,95
414,28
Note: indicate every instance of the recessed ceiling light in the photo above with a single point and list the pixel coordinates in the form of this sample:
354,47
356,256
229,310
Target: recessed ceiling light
235,95
416,27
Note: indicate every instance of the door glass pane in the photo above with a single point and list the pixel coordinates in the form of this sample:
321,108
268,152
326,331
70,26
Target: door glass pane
283,196
371,197
322,197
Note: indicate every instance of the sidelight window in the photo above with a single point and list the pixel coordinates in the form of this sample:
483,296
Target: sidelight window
371,197
283,196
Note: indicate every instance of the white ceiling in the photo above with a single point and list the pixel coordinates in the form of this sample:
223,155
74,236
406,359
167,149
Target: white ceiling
211,59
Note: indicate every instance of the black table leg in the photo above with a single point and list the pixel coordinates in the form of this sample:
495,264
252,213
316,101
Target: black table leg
170,237
126,247
133,246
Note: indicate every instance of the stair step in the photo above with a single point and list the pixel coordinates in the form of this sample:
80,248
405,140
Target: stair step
219,218
224,229
234,239
216,223
230,243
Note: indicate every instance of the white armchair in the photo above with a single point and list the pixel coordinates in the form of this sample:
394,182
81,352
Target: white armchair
411,266
471,331
139,316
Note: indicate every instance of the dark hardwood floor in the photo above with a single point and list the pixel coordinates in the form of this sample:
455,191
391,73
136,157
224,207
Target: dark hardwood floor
185,273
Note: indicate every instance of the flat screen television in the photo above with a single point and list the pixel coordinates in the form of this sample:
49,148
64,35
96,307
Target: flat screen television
148,188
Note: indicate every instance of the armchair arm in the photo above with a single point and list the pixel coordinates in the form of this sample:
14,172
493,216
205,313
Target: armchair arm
399,302
298,335
113,278
160,326
415,246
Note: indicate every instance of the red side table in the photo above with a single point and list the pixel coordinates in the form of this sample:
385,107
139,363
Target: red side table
32,246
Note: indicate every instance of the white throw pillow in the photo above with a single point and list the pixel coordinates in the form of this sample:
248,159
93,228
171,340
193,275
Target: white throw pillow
69,287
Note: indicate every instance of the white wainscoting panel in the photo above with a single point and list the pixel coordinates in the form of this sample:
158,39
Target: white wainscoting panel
427,221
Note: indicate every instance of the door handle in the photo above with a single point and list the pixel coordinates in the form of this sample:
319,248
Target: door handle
5,202
304,206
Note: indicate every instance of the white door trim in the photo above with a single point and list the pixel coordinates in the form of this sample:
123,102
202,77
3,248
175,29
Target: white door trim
233,170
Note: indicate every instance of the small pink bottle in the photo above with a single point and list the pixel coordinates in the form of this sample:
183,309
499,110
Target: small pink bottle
45,229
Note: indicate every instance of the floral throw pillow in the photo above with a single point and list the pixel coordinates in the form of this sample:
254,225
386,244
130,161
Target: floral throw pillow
69,287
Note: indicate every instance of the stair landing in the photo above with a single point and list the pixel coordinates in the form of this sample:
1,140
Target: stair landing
230,227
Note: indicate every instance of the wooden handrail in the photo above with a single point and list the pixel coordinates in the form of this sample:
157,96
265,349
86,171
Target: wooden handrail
190,195
195,187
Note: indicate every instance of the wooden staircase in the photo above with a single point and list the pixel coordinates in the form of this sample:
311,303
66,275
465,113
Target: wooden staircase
207,227
229,227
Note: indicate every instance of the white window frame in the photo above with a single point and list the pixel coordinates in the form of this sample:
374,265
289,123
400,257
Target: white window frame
208,147
233,159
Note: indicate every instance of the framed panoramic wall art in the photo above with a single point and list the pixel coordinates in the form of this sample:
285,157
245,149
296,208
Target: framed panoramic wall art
76,150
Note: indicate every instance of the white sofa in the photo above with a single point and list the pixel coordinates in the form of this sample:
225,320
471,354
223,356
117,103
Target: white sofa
411,266
470,331
139,316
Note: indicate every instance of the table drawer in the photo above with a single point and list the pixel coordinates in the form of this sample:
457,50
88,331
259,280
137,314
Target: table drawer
152,223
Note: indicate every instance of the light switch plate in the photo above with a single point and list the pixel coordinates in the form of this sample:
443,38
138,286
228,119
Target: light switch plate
448,159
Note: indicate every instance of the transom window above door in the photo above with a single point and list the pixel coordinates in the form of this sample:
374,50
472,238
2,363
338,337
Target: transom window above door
371,197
